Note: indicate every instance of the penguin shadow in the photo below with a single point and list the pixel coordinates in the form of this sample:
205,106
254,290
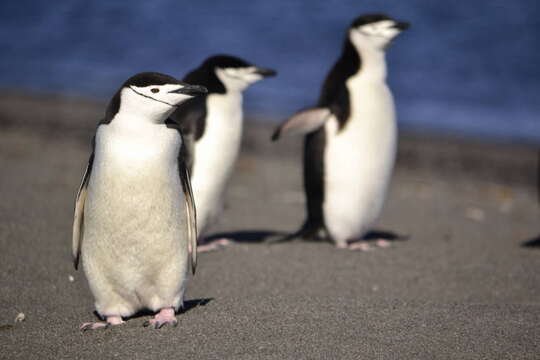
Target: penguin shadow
266,236
188,305
378,234
246,236
533,243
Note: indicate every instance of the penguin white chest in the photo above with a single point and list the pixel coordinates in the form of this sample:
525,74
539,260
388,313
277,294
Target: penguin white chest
215,154
134,244
359,159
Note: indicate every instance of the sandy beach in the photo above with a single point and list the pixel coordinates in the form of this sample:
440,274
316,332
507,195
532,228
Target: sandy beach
465,284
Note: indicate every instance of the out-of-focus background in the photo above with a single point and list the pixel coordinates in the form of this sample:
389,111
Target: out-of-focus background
466,67
464,285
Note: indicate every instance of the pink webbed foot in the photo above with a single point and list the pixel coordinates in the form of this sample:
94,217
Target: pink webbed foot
363,245
164,317
213,245
111,321
383,243
356,246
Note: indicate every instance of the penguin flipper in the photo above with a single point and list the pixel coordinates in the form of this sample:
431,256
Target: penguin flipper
190,116
191,215
183,170
78,218
303,122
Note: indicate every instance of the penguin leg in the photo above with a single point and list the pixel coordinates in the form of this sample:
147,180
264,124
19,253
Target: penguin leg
111,321
163,317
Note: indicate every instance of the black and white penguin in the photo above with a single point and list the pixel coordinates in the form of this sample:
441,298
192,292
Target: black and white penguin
351,137
135,223
212,128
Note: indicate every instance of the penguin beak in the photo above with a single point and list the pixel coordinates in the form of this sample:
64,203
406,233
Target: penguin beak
265,72
402,25
192,90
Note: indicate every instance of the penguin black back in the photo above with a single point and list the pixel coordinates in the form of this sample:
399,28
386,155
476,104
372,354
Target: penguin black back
334,93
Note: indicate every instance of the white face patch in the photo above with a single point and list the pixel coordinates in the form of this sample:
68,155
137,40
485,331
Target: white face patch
238,78
377,34
383,28
162,93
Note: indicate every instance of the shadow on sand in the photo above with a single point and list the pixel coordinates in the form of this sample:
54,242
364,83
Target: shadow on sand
532,243
246,236
385,235
261,236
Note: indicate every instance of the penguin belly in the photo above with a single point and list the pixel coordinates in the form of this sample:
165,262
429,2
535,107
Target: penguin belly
134,247
358,161
215,155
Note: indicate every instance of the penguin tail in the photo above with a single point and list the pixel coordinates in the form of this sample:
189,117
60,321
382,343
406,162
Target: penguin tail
276,134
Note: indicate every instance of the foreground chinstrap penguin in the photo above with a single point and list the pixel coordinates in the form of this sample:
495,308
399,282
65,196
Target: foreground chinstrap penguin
351,138
212,129
135,223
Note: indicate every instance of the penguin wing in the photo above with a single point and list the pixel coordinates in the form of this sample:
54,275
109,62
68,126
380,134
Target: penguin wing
303,122
78,218
188,194
190,210
188,150
190,117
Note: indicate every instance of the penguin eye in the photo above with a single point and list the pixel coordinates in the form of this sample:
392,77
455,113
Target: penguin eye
154,90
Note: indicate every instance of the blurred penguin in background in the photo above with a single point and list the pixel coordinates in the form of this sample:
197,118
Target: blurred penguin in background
350,138
212,129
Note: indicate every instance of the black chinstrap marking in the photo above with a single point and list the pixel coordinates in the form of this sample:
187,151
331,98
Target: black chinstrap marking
149,97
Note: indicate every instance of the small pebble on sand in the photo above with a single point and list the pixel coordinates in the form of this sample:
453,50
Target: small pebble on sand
20,317
475,214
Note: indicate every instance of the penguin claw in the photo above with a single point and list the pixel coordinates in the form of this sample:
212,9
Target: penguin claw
214,245
111,321
94,326
156,324
164,317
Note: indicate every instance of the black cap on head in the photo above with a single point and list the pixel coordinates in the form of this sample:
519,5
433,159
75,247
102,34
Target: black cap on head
368,19
205,74
151,78
225,61
372,18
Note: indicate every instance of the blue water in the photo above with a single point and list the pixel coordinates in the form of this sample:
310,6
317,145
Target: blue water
465,67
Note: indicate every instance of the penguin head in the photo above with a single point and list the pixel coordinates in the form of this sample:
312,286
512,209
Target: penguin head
155,95
375,31
224,73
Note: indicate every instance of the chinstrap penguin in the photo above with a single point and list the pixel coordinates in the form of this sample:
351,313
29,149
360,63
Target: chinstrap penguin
212,129
135,224
350,138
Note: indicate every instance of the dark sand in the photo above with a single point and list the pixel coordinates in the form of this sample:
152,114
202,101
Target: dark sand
465,285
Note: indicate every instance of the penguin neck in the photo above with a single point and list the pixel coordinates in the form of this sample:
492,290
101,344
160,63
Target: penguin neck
373,63
233,98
